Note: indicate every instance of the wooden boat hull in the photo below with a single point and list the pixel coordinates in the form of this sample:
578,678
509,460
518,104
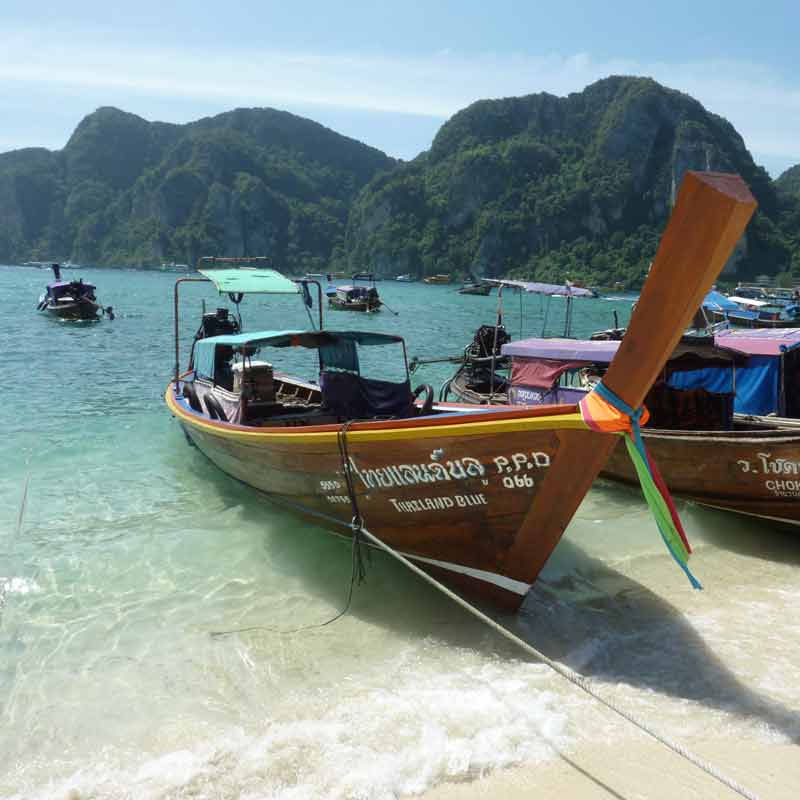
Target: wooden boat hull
745,322
745,471
85,310
435,280
755,472
359,305
459,387
482,496
478,290
451,494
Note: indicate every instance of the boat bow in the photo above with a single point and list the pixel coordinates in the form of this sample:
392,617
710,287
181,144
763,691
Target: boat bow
709,218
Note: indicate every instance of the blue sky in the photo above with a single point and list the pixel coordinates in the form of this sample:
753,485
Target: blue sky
388,74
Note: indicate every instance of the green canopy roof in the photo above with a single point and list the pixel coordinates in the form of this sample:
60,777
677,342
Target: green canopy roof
250,281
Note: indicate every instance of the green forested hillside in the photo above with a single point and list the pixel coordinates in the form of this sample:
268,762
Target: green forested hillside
789,182
555,188
128,191
537,186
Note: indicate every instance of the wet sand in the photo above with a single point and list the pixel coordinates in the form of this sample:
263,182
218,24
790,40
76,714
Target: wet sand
640,768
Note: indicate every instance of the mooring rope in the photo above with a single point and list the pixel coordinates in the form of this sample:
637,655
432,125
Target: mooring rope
355,574
573,677
358,531
5,586
357,569
357,521
22,506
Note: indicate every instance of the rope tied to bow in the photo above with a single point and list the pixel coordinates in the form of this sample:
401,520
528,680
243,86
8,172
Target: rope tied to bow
357,521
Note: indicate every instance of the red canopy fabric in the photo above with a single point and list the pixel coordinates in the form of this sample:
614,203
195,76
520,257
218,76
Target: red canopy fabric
540,373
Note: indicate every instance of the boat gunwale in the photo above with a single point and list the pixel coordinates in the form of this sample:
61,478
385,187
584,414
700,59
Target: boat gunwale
470,423
743,437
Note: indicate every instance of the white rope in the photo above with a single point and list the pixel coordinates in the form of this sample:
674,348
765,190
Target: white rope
573,677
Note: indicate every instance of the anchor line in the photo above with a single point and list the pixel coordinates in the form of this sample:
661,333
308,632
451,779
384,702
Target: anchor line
581,681
357,521
357,568
576,679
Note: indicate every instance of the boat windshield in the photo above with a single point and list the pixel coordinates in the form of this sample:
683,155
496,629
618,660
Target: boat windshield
339,351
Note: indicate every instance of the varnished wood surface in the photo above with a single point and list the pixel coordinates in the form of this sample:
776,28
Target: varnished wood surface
453,499
743,322
709,218
743,471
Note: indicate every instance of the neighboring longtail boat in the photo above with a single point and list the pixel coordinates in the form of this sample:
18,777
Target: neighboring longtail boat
748,459
478,496
712,430
72,300
355,297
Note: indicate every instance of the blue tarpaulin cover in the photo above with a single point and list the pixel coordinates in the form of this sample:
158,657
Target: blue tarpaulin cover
716,301
757,384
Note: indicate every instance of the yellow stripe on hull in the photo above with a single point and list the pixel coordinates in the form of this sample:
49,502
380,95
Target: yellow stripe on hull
572,421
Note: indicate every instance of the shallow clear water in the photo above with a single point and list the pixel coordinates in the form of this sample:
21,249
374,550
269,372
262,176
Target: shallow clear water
133,550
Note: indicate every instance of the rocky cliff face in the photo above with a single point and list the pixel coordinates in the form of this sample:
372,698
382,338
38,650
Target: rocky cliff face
789,182
550,187
538,186
128,191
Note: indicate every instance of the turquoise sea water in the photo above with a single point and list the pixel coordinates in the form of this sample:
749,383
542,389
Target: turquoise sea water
132,550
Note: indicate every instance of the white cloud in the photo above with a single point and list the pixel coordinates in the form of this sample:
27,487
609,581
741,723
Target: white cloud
759,103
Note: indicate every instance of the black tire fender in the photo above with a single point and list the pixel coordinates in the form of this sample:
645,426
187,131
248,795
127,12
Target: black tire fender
427,406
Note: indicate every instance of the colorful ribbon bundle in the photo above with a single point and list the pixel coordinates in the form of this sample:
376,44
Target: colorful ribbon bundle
602,410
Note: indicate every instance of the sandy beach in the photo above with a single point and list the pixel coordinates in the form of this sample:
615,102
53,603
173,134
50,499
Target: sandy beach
639,768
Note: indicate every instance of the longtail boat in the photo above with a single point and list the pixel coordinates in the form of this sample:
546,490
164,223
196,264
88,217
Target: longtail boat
357,298
479,377
478,496
476,288
72,300
747,312
713,428
741,451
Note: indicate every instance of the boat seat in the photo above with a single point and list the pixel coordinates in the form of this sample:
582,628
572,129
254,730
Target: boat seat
349,396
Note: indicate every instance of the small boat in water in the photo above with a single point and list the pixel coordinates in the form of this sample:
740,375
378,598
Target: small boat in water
747,312
357,298
406,278
74,300
477,496
476,287
480,375
436,279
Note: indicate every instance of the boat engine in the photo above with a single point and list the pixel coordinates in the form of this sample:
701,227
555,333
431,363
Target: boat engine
488,341
217,323
214,324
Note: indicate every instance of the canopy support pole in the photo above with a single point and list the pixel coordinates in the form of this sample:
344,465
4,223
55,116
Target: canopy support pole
177,322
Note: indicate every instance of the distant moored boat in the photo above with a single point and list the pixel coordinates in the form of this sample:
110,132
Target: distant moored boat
71,299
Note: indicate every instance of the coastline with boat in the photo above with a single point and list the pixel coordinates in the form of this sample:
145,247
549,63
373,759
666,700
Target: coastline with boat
184,611
179,541
519,460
